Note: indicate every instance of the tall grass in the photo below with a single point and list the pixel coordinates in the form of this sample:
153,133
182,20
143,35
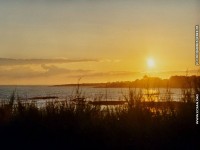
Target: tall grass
137,125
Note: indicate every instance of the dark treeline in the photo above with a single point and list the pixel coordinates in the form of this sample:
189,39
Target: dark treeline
156,82
149,82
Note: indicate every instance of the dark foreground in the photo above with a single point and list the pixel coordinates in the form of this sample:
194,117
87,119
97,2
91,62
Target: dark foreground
61,125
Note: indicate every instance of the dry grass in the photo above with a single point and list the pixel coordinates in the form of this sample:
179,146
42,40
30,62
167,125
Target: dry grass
137,125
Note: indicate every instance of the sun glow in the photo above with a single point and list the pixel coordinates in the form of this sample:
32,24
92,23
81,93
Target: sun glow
150,63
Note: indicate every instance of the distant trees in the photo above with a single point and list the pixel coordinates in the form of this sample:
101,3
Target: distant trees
156,82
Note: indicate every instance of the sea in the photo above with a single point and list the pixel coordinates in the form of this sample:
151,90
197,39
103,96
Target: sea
88,92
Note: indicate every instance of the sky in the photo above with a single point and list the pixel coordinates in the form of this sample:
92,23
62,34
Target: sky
59,41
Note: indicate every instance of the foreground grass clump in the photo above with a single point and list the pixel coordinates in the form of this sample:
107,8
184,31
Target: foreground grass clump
137,125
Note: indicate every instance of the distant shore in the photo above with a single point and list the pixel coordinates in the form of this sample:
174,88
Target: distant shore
147,82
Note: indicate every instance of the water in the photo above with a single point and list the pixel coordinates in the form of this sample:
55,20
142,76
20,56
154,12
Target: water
89,92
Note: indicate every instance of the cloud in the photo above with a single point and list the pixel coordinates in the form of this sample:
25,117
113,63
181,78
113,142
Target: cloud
19,72
179,72
13,62
54,70
110,74
110,60
135,75
45,71
54,74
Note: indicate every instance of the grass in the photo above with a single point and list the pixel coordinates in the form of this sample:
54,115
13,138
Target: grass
64,124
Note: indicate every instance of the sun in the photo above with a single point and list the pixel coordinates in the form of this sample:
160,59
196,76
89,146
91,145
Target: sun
150,63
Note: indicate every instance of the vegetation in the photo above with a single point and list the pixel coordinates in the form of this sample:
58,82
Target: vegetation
134,125
152,82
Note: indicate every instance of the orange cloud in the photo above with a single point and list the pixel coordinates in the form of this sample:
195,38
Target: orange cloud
12,61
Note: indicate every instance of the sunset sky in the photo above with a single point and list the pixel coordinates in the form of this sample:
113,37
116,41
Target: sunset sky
58,41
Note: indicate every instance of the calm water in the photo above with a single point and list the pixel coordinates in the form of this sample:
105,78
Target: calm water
89,92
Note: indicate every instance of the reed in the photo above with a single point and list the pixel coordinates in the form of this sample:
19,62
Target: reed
136,125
